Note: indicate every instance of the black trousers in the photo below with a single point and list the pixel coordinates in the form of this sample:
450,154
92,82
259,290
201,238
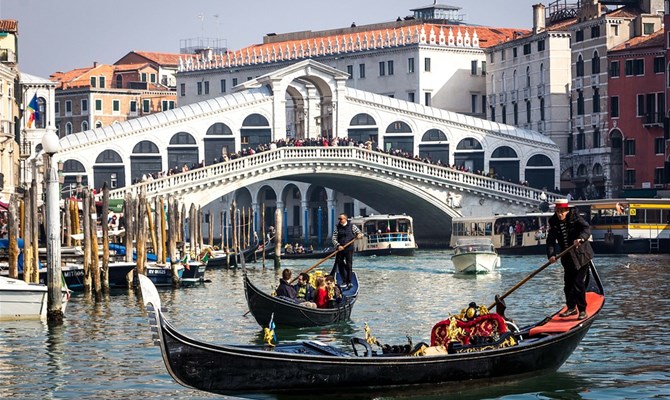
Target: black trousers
574,281
343,260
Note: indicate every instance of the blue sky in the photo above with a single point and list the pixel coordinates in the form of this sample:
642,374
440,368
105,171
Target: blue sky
62,35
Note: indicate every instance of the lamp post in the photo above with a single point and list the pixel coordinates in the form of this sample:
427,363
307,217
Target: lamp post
54,301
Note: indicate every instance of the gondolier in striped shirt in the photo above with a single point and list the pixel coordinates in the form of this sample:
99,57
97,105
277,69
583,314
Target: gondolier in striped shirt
344,233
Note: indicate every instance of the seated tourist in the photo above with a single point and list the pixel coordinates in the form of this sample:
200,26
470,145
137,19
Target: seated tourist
321,295
304,290
285,289
334,292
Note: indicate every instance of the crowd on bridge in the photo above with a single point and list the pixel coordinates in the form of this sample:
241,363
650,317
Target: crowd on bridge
321,142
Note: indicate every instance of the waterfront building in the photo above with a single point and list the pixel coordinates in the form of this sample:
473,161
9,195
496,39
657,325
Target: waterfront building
637,114
9,109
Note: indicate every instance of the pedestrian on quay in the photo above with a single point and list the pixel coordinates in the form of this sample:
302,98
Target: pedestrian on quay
567,228
344,233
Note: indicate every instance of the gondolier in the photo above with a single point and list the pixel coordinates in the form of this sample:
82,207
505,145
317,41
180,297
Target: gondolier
344,233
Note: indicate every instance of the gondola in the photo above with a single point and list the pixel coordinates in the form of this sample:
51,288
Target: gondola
308,366
288,313
302,256
228,260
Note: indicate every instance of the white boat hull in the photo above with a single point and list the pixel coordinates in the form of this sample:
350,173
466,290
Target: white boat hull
475,262
20,300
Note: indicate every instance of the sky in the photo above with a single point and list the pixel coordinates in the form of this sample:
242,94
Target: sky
60,35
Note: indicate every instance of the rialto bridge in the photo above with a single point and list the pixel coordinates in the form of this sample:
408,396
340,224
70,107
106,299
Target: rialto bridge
313,183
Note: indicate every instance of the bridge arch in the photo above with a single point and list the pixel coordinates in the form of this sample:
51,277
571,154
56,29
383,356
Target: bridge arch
469,154
182,150
109,168
145,160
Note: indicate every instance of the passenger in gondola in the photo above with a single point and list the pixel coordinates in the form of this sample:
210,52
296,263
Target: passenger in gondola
321,294
285,289
304,290
334,292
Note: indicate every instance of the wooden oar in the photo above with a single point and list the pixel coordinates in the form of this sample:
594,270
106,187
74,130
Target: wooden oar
323,260
526,279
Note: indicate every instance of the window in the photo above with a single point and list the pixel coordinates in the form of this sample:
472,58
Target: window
492,58
579,36
658,176
361,71
580,66
526,49
146,106
102,81
119,82
350,71
68,128
580,102
223,86
426,64
659,64
143,76
199,88
84,106
206,87
93,80
133,107
98,105
483,67
152,78
614,106
410,97
473,67
527,111
540,45
542,109
595,63
182,89
483,104
502,54
164,105
116,106
595,31
640,105
427,98
615,30
68,107
514,51
647,28
596,138
389,68
382,68
629,147
634,67
410,65
516,113
84,126
503,114
579,139
234,82
493,114
57,107
659,145
614,69
629,177
473,103
596,100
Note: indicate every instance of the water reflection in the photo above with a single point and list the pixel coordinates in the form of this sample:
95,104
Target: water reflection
105,349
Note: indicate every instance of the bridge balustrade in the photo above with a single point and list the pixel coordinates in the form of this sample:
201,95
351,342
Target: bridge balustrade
309,156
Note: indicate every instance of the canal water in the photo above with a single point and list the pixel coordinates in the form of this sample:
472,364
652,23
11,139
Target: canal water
105,350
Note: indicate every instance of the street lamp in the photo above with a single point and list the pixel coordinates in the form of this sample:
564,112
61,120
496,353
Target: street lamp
50,144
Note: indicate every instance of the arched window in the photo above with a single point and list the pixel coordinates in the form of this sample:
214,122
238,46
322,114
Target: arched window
398,127
84,126
362,119
219,128
514,80
595,63
68,128
528,76
98,124
580,66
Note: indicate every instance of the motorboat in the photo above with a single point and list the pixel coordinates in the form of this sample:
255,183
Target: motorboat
475,256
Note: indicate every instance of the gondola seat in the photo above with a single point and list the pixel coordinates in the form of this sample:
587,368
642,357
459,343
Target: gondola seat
463,331
556,324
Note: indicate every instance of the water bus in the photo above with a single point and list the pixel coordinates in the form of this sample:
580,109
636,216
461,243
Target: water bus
510,233
627,225
385,234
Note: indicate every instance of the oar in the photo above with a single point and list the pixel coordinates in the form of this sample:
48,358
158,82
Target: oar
526,279
324,259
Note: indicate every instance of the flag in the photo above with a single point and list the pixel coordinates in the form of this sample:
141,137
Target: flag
33,111
269,332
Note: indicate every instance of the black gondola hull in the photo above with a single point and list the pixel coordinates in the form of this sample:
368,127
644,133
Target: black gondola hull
286,313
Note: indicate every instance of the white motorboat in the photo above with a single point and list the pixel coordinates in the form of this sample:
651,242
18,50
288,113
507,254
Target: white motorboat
475,256
21,300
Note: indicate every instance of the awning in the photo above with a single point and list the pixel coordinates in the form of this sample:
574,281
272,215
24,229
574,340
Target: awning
4,206
116,205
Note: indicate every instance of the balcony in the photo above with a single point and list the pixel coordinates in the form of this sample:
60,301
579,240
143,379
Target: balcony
492,98
6,128
515,96
540,90
595,120
579,83
502,96
7,56
595,80
579,121
526,93
541,126
653,119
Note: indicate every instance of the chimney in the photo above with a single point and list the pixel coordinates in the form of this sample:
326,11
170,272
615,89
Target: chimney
538,18
95,64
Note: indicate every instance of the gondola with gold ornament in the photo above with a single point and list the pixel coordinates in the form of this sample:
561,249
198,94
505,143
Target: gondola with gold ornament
494,349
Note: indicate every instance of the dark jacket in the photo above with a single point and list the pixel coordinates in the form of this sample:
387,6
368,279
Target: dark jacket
345,234
578,228
286,290
309,292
